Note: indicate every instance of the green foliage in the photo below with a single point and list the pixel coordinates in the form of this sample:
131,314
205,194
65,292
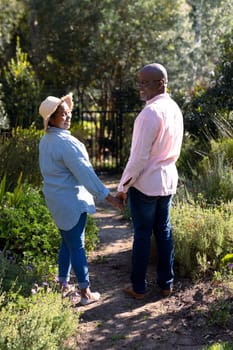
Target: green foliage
202,236
209,112
109,27
223,147
206,169
16,277
224,71
20,154
191,154
42,321
28,231
2,189
214,177
92,230
220,313
21,90
216,181
177,31
227,259
11,12
4,122
219,346
208,18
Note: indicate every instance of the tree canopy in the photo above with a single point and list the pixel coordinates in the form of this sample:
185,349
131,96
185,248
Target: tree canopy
94,48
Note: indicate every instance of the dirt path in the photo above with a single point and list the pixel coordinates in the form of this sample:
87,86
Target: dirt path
119,322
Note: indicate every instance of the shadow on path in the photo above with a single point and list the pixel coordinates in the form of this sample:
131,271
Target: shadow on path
119,322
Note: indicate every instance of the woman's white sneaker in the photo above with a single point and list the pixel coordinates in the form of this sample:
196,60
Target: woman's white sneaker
92,298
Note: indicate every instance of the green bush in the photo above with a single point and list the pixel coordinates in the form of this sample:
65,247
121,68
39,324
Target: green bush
21,90
223,147
219,346
202,236
191,154
28,231
207,171
20,154
91,237
215,176
42,321
16,277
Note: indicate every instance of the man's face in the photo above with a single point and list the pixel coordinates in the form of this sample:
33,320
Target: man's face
149,85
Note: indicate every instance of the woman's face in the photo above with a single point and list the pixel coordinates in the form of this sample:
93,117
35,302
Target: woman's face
62,117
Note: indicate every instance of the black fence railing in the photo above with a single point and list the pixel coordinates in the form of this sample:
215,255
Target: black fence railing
106,135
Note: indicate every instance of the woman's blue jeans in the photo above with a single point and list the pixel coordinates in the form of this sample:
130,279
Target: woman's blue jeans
72,254
151,214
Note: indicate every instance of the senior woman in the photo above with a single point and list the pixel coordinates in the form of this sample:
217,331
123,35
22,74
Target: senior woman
69,185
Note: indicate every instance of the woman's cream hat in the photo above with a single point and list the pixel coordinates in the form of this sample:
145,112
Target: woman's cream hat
51,103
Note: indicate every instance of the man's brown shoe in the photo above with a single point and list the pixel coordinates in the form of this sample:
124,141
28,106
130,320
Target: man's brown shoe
129,291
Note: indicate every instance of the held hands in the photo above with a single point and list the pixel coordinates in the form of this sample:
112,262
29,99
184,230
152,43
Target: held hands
122,196
116,202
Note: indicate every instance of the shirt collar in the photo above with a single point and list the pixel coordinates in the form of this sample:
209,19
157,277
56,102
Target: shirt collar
157,97
54,130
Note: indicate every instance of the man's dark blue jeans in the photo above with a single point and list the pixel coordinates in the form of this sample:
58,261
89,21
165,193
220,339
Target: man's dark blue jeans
151,214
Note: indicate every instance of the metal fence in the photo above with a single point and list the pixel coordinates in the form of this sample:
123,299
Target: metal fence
106,135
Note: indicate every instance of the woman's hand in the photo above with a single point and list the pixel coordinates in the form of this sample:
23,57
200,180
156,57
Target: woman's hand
116,202
122,196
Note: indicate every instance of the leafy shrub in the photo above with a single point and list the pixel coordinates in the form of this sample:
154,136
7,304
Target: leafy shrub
220,313
28,231
202,236
91,237
191,154
42,321
219,346
223,147
215,176
16,277
207,171
20,154
21,90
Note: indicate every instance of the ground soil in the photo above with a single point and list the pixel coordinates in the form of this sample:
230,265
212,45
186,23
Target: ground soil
181,321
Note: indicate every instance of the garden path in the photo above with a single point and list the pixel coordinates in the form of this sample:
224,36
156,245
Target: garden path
119,322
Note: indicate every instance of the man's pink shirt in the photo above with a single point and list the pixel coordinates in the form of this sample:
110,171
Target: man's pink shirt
156,144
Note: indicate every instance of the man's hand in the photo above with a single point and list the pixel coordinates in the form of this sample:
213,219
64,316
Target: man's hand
115,201
122,196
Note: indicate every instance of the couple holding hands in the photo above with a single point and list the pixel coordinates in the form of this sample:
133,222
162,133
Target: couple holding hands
148,182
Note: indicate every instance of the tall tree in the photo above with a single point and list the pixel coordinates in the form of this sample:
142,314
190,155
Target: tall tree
11,11
209,113
21,90
98,45
211,20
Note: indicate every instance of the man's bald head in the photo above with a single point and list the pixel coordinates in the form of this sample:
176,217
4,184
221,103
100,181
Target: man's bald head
156,70
152,81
